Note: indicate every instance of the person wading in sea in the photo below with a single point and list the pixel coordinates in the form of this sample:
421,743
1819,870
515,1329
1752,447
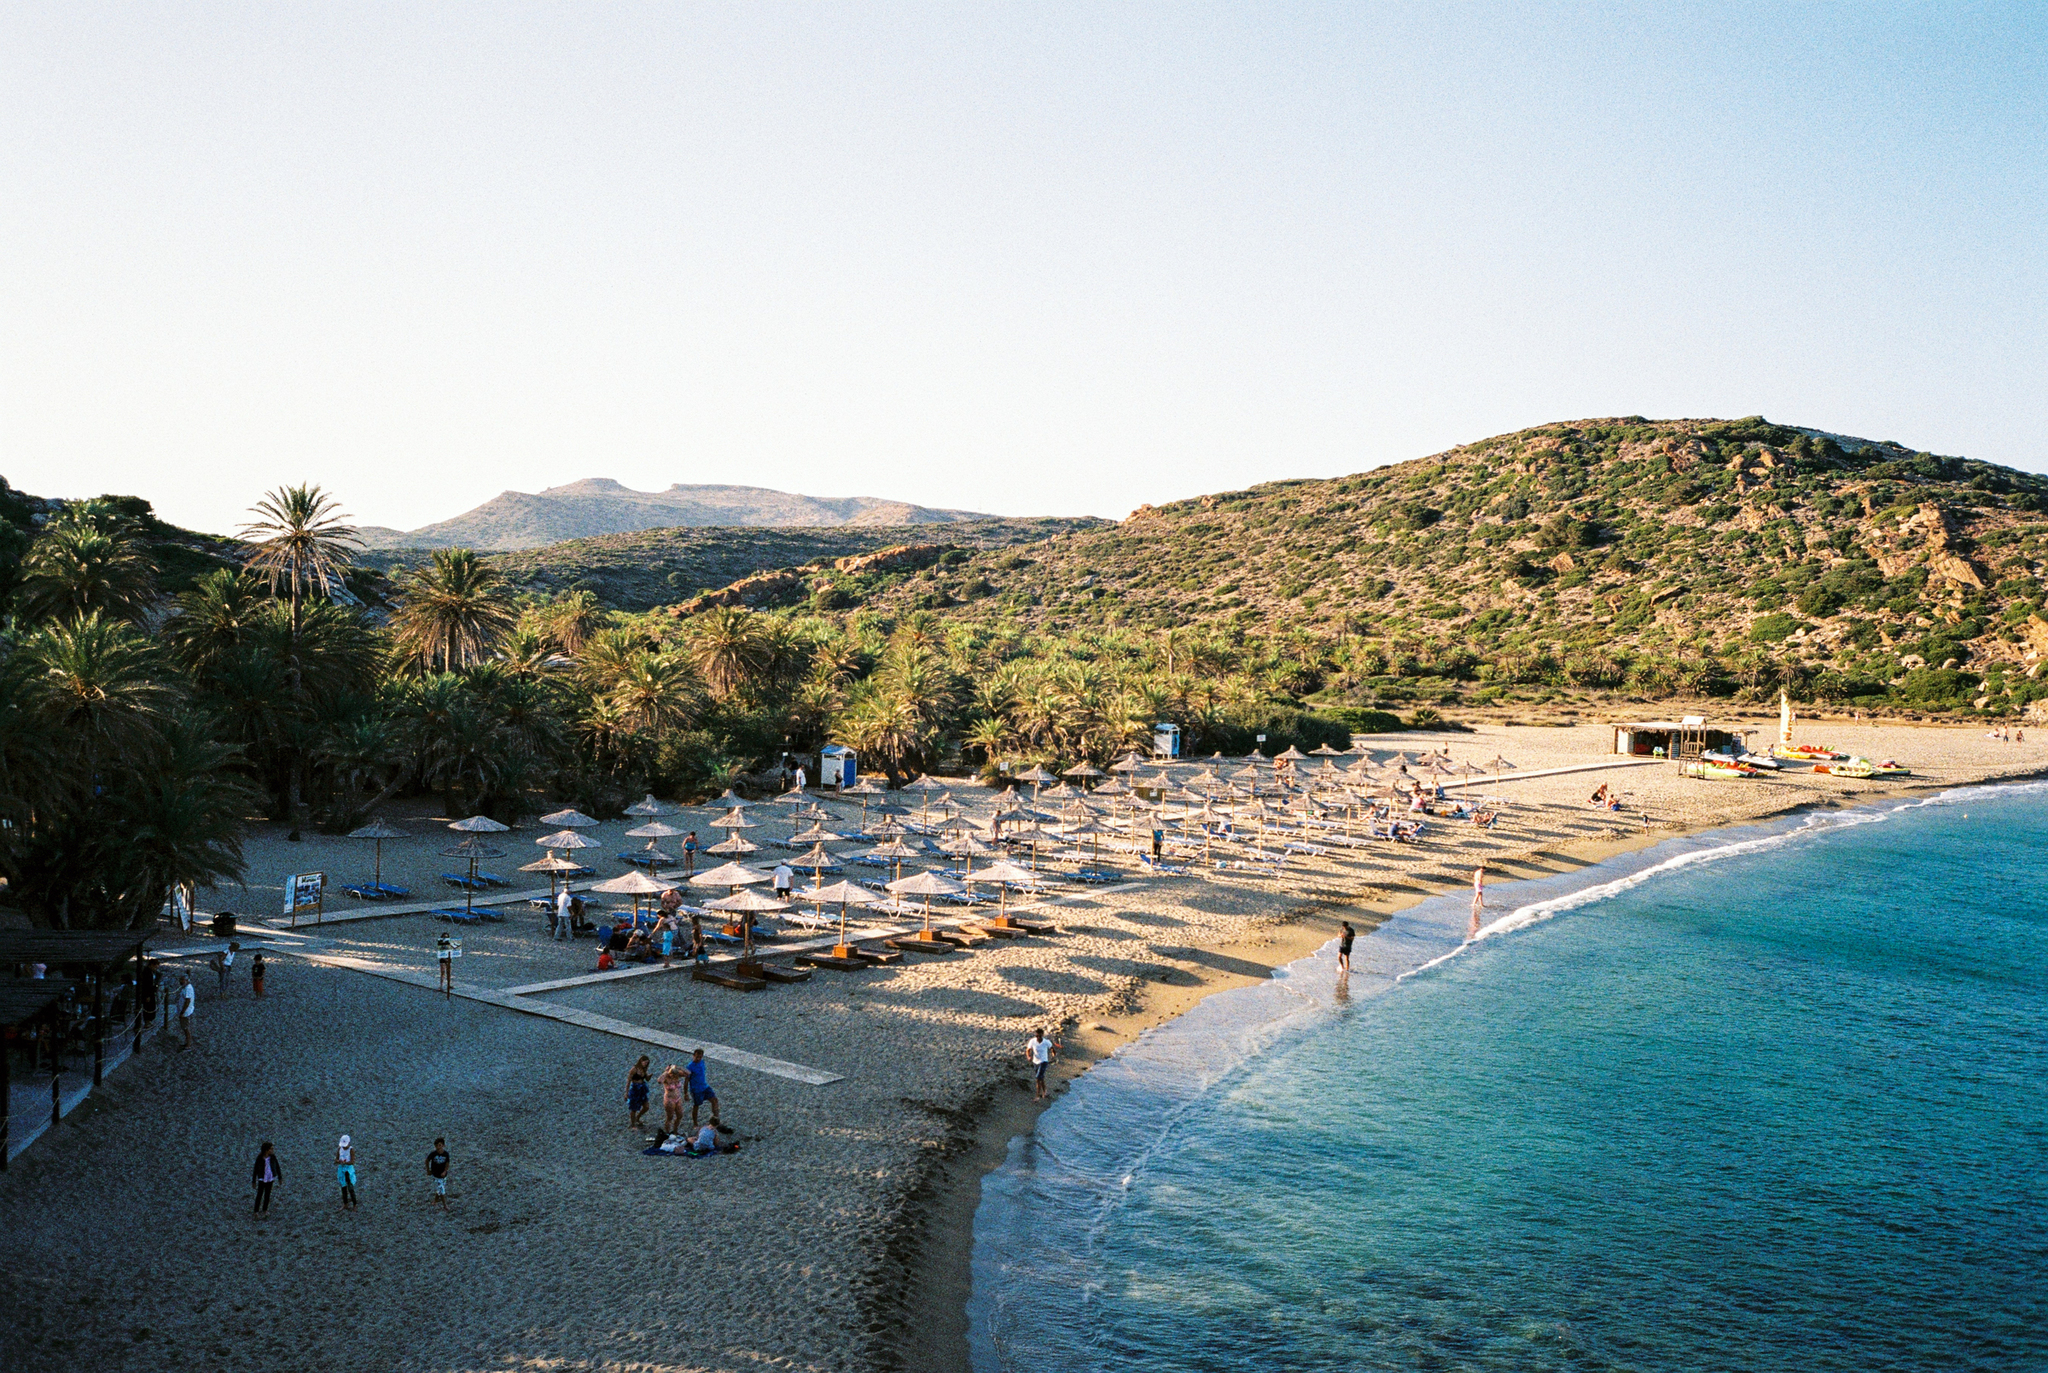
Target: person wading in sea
1478,899
1344,950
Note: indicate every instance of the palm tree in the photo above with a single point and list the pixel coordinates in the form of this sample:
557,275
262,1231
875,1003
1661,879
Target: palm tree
92,687
454,612
655,693
730,649
215,618
302,541
89,560
571,620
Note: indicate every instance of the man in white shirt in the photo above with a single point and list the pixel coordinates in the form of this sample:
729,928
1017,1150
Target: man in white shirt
561,930
188,1007
784,878
1039,1050
800,777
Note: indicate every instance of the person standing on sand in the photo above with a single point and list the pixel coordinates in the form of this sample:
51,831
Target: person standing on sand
444,954
1344,950
345,1172
671,1098
801,777
700,1087
690,854
561,920
267,1173
256,972
636,1093
437,1169
188,1007
1040,1051
784,879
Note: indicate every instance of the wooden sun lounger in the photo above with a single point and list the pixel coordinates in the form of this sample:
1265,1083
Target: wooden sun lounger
880,958
826,960
732,980
1033,926
997,931
773,973
927,947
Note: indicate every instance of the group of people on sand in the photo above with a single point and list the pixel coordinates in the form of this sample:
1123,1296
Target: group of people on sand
2007,735
675,1081
268,1172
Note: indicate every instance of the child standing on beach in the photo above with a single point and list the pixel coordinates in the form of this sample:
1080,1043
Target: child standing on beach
256,972
437,1169
636,1093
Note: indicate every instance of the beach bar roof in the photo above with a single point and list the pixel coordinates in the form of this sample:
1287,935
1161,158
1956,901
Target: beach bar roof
98,951
1642,738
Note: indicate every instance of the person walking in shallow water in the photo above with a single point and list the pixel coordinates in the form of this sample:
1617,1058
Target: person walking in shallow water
1040,1050
1344,950
1478,900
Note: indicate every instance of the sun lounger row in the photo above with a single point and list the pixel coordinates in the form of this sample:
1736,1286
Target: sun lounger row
376,891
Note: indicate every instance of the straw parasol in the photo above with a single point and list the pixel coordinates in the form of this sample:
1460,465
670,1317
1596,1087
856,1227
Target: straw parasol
568,820
846,894
650,807
654,829
732,820
746,905
727,875
479,824
567,839
378,831
1292,755
1500,765
635,884
475,850
816,834
927,885
1006,875
731,800
1323,751
733,845
967,847
817,859
895,851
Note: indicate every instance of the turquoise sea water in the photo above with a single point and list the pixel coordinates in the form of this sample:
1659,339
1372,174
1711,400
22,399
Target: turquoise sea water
1768,1099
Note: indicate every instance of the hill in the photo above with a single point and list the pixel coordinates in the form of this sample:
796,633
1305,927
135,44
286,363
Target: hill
647,568
598,506
1661,557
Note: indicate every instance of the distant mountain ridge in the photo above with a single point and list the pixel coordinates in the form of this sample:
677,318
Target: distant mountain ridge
597,506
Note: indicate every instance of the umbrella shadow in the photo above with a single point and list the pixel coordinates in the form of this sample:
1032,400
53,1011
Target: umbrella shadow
1058,981
960,1000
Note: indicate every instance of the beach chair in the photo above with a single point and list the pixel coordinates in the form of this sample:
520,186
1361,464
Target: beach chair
455,915
491,879
388,890
461,881
1161,868
1097,877
732,980
365,892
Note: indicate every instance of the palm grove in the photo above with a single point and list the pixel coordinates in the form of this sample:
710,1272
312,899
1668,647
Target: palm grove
141,728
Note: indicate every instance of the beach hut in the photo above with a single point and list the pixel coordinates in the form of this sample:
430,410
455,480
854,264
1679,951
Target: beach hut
838,767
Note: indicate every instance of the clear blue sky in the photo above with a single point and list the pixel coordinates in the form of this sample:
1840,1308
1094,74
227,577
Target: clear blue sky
1042,258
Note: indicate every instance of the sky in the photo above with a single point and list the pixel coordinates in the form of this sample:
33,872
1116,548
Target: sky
1047,258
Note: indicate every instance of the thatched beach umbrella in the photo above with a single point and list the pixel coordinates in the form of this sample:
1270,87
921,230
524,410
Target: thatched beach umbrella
728,875
635,884
844,894
730,800
733,845
649,807
378,831
817,859
967,848
895,851
927,885
1006,875
475,850
732,820
568,820
746,905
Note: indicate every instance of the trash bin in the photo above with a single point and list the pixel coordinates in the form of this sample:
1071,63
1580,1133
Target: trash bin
224,925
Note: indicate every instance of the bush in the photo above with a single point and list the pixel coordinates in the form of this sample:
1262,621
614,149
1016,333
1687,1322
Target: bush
1771,629
1359,720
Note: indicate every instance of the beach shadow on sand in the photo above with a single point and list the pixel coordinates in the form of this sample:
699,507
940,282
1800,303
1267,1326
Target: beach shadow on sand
1058,981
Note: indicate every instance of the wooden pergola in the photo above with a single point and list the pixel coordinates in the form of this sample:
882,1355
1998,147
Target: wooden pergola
99,953
21,1001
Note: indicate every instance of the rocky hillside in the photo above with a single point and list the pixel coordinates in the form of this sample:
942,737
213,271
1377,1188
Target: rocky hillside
1653,556
599,506
653,567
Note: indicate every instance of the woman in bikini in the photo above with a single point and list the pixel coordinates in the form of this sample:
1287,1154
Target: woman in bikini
672,1098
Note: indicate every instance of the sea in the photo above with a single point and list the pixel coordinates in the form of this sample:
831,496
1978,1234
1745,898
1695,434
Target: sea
1770,1098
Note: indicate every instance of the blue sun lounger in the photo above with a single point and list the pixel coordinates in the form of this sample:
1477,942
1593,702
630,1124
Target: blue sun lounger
456,879
455,915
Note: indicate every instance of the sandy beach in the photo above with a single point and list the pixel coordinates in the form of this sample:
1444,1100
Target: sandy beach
837,1239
